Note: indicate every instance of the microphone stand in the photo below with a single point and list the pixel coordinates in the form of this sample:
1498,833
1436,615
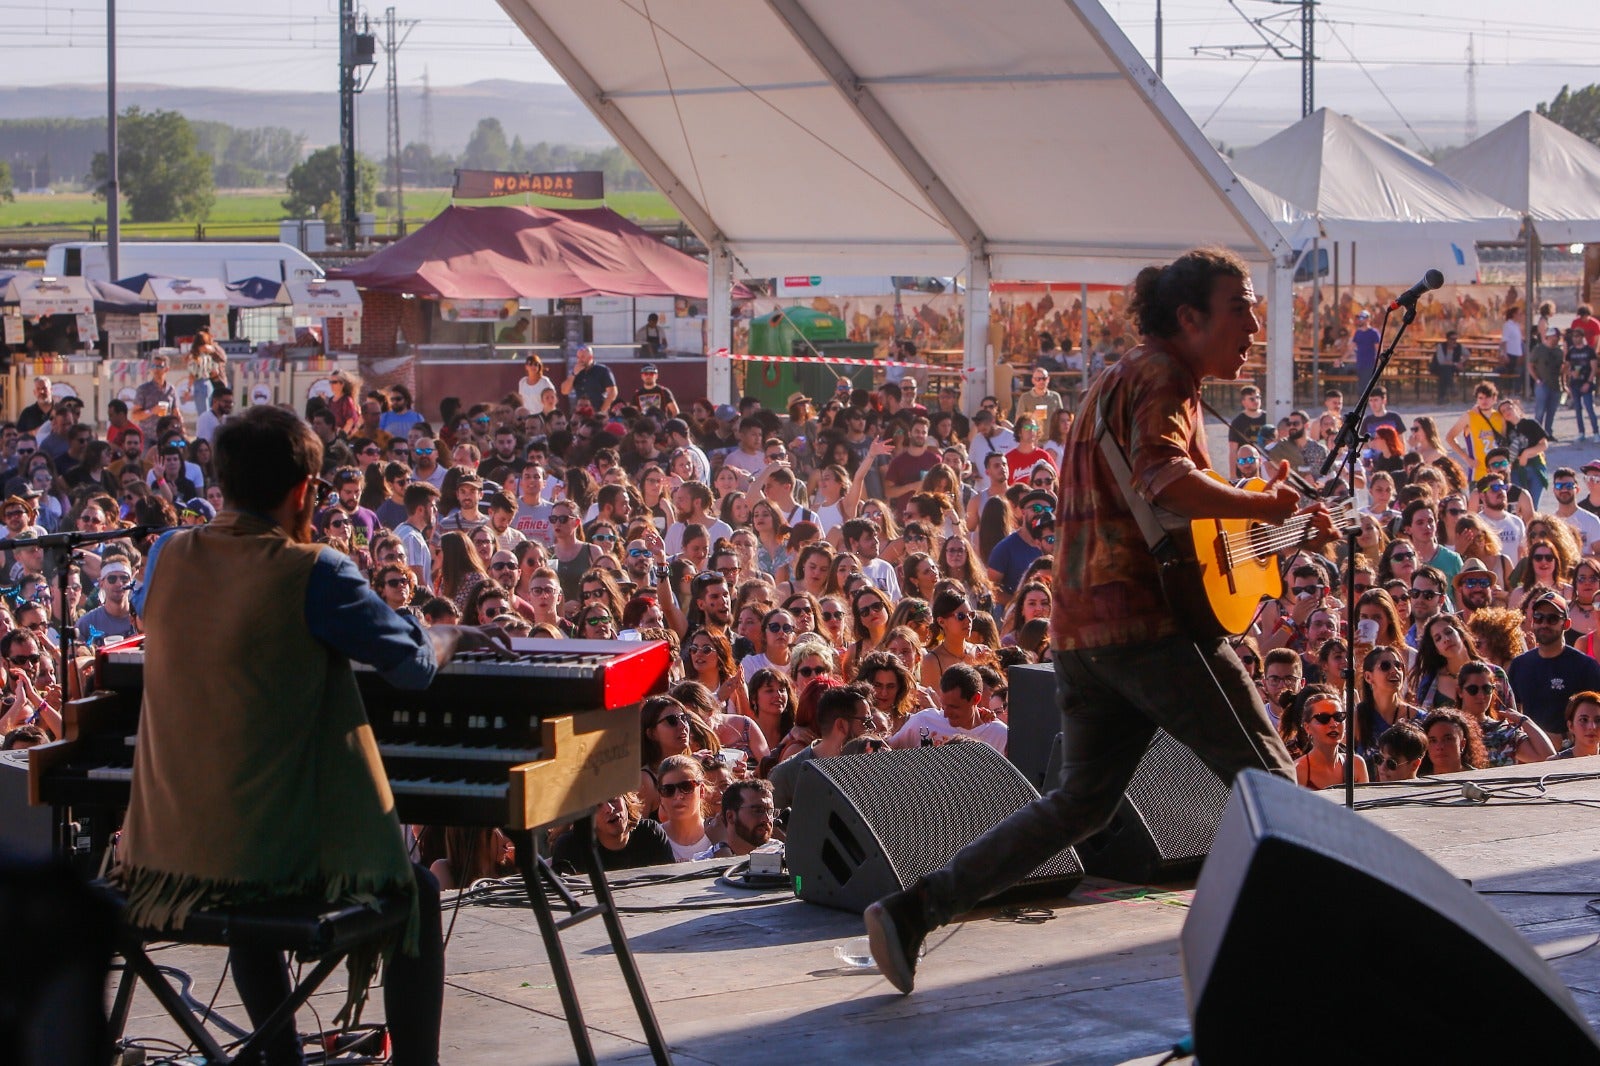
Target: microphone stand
65,545
1353,440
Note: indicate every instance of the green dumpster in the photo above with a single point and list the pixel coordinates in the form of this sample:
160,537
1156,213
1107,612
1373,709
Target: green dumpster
796,332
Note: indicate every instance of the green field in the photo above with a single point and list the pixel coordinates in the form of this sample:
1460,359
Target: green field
79,216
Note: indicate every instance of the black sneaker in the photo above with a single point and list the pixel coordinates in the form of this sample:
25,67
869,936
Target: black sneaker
895,930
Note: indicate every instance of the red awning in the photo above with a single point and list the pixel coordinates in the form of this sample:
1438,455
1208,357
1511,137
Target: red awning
480,253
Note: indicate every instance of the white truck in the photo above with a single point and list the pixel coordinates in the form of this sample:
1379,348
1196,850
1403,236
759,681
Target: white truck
231,261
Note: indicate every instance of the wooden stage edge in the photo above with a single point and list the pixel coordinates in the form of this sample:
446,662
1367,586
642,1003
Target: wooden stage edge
736,976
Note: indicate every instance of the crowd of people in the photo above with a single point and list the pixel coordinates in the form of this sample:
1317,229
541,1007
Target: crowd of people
845,575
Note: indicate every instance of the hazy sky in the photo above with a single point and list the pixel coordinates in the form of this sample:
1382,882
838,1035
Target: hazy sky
1412,55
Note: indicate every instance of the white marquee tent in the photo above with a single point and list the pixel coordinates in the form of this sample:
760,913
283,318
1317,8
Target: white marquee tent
1540,170
1019,139
1360,188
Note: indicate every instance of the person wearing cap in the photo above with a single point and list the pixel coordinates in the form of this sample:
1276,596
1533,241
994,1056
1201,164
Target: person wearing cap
1474,588
676,433
652,397
1010,559
1580,380
196,512
1545,676
1449,357
652,339
1591,476
1364,344
1493,490
590,383
114,617
988,437
467,517
154,399
1546,361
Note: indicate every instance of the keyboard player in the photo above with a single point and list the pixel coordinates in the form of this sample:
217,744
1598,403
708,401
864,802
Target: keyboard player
256,774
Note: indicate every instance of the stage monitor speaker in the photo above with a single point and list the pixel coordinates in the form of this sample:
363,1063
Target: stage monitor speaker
867,825
59,938
1163,827
1285,851
1033,722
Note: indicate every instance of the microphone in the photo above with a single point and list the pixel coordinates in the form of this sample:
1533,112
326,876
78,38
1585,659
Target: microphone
1430,281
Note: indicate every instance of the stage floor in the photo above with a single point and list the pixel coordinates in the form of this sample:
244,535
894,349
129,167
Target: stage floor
736,979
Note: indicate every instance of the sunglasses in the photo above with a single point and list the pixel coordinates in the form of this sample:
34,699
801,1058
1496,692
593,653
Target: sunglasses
1476,583
1542,557
962,616
1478,690
1388,666
1402,557
1424,594
422,451
832,616
638,553
396,583
1564,486
600,621
1250,661
116,579
594,594
340,523
811,671
503,566
1391,763
701,649
28,660
542,590
1247,461
1547,618
673,720
869,608
1326,717
604,538
677,788
562,519
1493,486
779,627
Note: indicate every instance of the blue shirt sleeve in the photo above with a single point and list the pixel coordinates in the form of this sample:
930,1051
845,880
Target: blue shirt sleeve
345,613
150,569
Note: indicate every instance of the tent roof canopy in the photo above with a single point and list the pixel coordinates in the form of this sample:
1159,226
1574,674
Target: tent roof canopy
828,136
487,253
1540,169
1359,185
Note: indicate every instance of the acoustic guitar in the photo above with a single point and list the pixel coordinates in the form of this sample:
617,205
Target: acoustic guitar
1235,566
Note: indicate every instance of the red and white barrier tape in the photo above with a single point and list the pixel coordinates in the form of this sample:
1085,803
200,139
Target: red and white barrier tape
723,353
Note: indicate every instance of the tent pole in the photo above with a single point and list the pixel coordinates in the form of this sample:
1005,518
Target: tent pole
1083,326
1280,340
1316,332
978,360
1530,297
719,313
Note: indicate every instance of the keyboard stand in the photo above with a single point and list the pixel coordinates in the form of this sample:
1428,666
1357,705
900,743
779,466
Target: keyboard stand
537,875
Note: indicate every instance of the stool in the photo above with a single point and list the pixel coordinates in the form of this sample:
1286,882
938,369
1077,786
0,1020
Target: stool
310,928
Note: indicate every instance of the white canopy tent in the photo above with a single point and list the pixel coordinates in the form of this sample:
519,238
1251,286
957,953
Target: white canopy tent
1361,189
1539,169
1022,139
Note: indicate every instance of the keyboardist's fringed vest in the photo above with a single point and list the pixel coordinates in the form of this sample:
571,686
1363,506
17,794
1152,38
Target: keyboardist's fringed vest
256,774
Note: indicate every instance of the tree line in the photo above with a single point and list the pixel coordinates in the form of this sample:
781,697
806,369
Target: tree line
43,151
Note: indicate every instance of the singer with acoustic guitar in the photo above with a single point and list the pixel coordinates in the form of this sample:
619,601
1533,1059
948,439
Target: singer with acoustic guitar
1130,655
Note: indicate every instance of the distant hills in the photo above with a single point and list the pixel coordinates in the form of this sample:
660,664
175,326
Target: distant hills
535,111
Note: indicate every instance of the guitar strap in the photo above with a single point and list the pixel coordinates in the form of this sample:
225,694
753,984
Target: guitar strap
1155,535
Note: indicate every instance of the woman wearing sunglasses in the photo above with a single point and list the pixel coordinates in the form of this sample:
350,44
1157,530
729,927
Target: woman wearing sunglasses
1509,736
1545,567
681,781
573,556
777,638
952,623
667,727
708,659
869,610
599,588
1322,717
833,621
1383,703
739,733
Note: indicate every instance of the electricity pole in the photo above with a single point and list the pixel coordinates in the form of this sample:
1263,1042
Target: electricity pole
391,48
113,198
1276,40
356,50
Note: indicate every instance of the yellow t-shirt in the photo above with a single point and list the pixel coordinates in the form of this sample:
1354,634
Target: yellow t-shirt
1484,432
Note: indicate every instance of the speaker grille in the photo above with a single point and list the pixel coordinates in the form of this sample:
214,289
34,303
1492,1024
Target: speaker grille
1180,798
926,804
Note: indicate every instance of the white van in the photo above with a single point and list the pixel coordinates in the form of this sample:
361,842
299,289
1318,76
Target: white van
231,261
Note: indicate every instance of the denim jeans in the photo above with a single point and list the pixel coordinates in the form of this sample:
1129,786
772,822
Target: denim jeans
202,395
413,990
1528,479
1581,400
1112,701
1545,399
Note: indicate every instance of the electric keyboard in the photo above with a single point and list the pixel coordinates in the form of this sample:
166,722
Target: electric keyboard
515,742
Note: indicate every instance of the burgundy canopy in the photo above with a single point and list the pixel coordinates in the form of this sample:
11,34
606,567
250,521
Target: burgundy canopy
482,253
